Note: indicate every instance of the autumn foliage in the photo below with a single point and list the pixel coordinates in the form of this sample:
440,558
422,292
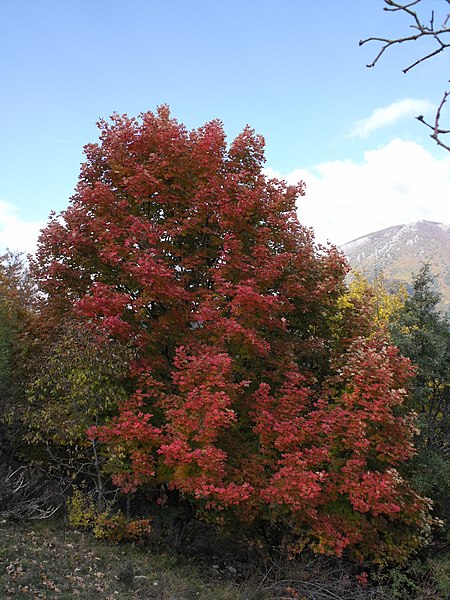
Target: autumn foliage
244,395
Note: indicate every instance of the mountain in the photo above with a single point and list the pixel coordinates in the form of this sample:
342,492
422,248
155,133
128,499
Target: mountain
398,252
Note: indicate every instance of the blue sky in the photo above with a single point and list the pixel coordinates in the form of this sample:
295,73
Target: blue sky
292,69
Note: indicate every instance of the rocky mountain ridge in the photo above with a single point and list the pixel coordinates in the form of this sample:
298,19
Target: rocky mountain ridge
398,252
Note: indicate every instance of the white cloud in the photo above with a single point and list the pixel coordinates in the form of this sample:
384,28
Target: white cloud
389,115
398,183
15,233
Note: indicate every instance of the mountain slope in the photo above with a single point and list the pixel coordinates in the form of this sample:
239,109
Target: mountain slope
398,252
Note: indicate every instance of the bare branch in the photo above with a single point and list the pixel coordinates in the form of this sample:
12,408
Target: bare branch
423,31
424,58
437,130
27,494
438,115
394,6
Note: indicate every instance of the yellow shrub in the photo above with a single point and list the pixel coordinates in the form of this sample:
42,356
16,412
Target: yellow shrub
82,512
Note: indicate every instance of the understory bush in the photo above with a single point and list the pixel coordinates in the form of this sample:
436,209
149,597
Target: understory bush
82,512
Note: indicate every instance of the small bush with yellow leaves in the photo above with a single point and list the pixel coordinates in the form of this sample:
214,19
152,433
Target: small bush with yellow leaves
105,525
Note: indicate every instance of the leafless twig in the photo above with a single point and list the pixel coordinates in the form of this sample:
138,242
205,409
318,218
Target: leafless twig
26,494
421,30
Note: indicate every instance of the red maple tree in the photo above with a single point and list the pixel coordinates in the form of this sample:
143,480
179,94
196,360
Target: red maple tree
244,399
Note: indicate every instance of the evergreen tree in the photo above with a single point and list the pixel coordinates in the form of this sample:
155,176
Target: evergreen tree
422,333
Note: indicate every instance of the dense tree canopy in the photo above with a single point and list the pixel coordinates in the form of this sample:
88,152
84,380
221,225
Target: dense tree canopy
422,332
17,300
244,394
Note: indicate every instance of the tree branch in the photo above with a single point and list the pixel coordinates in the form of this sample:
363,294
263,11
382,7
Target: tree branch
423,31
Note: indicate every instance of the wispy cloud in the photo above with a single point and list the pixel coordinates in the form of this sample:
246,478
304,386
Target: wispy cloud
15,233
389,115
398,183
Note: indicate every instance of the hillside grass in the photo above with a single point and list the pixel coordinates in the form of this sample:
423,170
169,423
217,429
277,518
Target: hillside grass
48,560
45,559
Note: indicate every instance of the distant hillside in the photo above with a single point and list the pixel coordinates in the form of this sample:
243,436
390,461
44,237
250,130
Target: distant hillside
399,251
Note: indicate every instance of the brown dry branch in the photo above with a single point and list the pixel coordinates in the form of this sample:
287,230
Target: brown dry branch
26,494
421,31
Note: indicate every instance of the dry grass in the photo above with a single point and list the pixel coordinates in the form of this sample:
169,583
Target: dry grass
46,559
